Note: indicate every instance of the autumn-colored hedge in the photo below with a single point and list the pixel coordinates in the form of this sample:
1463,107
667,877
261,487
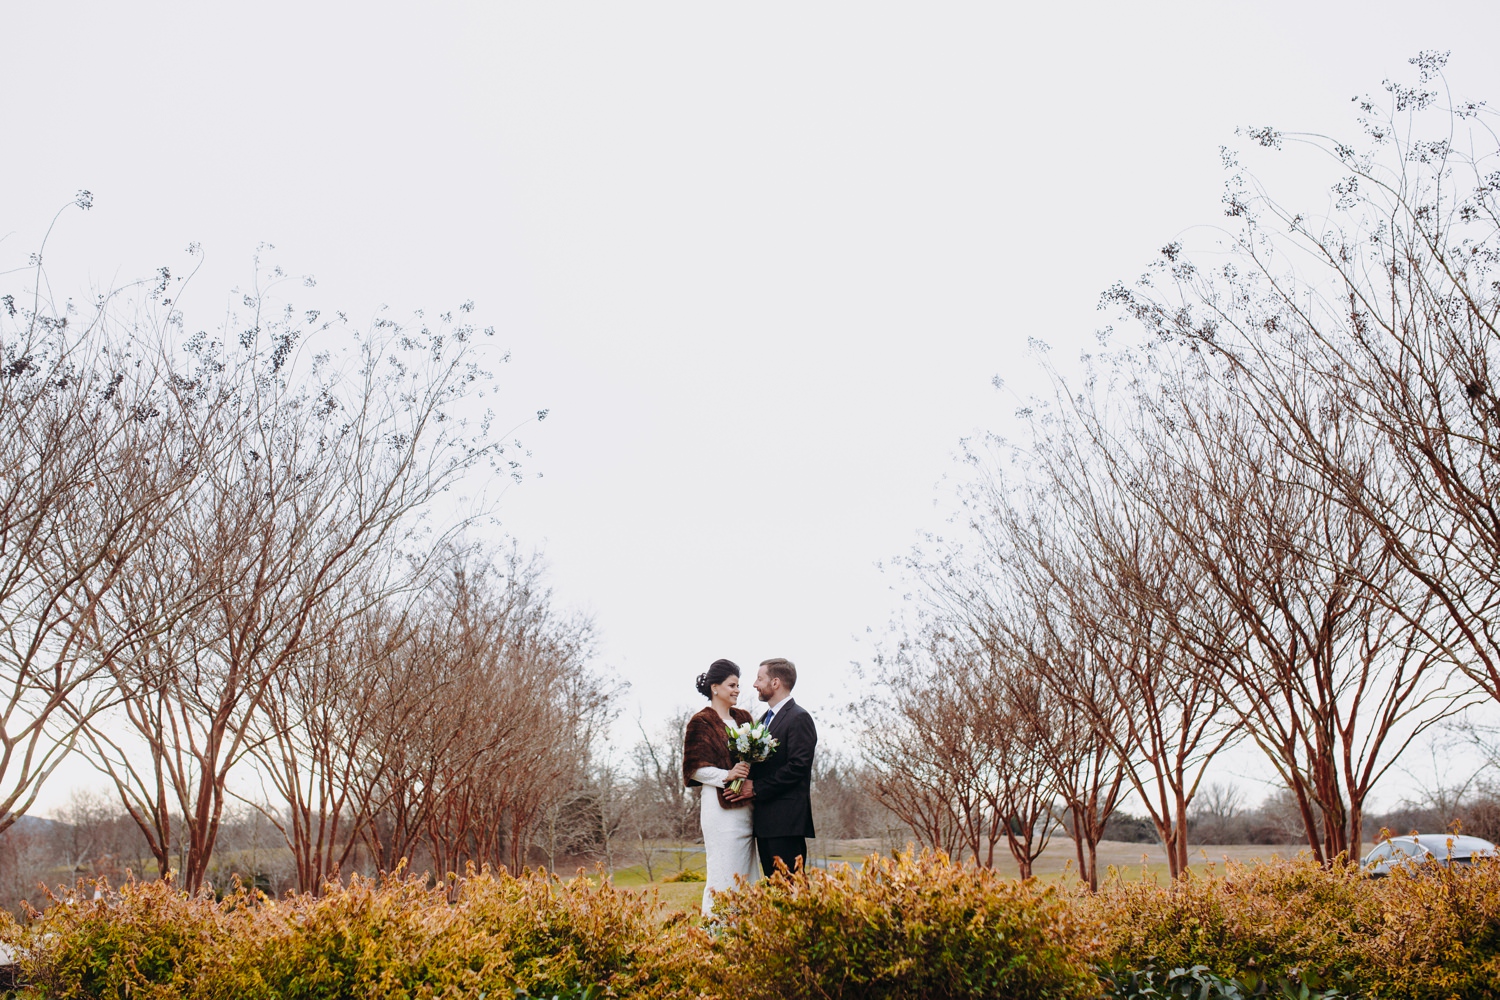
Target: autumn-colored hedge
397,938
915,925
910,926
1428,934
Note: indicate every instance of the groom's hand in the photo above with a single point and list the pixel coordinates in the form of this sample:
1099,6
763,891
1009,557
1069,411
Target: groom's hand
747,791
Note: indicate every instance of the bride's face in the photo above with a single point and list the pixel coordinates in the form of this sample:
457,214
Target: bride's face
729,690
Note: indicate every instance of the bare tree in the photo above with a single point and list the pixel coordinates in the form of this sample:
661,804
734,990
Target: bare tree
1054,686
1025,781
955,758
481,720
918,743
93,457
27,862
609,788
1086,774
841,798
566,724
317,746
97,836
324,474
1318,653
1082,584
1359,341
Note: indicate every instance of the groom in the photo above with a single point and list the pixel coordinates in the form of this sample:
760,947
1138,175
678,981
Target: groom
782,784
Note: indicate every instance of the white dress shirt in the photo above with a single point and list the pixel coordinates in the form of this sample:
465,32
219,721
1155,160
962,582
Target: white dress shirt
786,700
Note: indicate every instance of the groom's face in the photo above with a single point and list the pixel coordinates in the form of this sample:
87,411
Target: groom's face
765,686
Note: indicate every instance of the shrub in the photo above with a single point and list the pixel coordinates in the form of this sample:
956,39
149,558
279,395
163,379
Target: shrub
393,937
912,926
1436,934
587,931
576,993
145,941
388,938
1280,918
1429,934
533,933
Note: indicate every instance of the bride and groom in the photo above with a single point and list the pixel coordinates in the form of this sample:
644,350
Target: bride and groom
771,812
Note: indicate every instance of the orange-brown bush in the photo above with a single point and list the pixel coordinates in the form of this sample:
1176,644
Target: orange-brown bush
1439,934
146,940
1259,918
913,926
1430,933
398,937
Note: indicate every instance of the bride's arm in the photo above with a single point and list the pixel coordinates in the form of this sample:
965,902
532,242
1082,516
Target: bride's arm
714,776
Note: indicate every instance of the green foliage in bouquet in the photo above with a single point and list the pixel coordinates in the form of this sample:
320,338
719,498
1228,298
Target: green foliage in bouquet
909,926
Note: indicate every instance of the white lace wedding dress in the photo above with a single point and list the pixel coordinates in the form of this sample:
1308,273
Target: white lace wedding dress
727,838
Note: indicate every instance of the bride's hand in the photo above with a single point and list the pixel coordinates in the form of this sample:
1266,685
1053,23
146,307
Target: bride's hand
740,770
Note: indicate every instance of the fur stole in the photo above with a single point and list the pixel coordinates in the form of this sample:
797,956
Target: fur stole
707,745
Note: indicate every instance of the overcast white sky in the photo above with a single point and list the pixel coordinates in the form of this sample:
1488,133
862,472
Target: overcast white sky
761,261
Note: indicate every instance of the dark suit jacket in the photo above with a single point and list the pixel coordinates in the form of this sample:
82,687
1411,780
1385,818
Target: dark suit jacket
783,781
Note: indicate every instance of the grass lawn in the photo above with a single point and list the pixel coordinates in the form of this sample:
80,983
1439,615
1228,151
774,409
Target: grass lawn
681,897
1057,863
687,897
1134,861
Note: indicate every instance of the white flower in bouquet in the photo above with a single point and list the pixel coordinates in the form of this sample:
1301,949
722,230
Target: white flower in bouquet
751,742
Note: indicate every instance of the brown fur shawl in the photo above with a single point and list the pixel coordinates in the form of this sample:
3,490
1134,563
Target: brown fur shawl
707,745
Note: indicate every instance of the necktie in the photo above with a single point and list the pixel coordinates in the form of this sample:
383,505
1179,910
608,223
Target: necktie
770,714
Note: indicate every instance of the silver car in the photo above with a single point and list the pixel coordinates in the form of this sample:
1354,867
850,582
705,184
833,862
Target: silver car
1425,848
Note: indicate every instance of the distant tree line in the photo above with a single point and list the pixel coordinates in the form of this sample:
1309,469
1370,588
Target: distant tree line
1220,816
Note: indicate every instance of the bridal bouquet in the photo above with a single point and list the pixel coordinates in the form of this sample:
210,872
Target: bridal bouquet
750,742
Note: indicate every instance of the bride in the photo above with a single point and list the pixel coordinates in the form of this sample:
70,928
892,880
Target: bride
727,837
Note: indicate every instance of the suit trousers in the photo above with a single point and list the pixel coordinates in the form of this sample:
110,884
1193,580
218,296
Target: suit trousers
789,849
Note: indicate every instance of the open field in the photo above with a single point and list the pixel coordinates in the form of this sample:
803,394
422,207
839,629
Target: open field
1131,860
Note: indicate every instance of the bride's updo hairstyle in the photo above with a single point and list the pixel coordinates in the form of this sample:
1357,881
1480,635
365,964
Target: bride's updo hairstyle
718,672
